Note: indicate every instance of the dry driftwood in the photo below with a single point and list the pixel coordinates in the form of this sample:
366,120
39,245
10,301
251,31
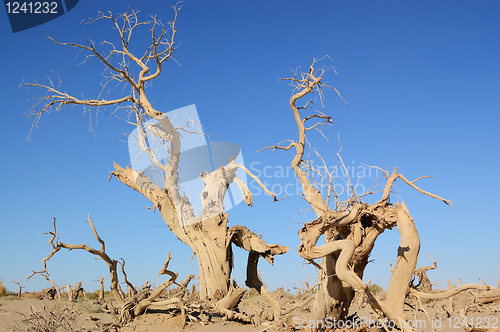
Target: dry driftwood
489,297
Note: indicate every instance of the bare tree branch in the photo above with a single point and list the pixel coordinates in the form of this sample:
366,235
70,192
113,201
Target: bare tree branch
132,291
101,253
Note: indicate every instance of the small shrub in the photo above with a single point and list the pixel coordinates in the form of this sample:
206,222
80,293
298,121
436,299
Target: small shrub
374,288
9,296
93,296
3,290
92,307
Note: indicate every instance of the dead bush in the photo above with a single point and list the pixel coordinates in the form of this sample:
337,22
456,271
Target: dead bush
58,318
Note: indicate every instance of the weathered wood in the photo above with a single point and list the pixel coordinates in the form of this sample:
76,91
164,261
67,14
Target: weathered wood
101,290
232,298
489,297
352,226
70,293
406,261
77,290
423,279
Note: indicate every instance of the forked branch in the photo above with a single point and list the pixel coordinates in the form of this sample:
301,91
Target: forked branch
395,175
101,253
160,50
49,256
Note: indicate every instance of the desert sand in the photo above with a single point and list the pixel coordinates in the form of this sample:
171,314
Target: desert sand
15,315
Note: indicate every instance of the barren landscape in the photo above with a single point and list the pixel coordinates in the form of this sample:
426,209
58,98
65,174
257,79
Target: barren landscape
324,199
31,314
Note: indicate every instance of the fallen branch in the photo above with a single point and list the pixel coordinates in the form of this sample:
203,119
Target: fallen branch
440,296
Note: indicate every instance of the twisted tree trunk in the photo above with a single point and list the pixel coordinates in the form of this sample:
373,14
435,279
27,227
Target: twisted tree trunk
208,236
351,227
406,262
215,257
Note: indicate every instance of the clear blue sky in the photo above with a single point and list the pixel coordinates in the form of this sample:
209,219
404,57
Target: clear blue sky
422,80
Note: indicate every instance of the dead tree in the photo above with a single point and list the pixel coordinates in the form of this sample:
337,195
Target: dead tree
49,293
74,293
101,289
20,288
137,303
350,226
55,287
134,306
207,233
101,253
182,290
423,279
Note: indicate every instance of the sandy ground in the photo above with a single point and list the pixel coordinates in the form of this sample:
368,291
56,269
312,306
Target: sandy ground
14,312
